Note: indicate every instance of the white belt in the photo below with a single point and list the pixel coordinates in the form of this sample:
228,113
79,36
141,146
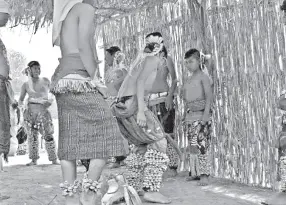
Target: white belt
154,96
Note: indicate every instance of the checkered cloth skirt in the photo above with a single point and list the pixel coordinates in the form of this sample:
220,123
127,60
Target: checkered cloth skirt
87,128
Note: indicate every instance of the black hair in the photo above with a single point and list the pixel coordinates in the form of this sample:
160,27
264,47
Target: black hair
154,34
283,6
192,52
113,49
33,63
164,50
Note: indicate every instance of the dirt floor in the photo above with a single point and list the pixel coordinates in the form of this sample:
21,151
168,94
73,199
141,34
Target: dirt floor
40,184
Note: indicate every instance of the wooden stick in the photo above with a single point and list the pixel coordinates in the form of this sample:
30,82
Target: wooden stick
53,199
37,200
174,144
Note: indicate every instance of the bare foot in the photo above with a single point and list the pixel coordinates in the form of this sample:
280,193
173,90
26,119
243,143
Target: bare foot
90,198
72,200
141,193
277,199
170,173
195,178
114,165
2,198
204,180
156,197
32,163
56,162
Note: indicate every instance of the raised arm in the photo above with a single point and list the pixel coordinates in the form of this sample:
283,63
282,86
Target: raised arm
85,38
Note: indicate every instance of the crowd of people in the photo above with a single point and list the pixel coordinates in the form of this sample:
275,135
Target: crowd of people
129,115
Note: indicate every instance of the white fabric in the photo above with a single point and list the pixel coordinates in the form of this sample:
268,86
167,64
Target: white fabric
61,10
4,7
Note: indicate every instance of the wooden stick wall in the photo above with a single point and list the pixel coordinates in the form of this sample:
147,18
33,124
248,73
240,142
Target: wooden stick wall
247,42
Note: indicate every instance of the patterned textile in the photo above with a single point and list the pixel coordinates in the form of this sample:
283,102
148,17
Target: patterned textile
282,155
167,119
150,146
22,141
199,139
125,111
87,128
4,119
173,156
282,169
146,165
39,123
6,95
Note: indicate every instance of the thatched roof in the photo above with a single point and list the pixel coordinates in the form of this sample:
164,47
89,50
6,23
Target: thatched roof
39,13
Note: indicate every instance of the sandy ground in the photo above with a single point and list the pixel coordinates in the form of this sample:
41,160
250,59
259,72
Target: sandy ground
38,185
28,185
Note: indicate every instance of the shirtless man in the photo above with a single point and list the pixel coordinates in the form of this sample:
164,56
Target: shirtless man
161,102
6,92
87,128
37,118
198,97
148,160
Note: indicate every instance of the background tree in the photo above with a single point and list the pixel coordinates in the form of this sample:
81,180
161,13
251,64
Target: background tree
17,62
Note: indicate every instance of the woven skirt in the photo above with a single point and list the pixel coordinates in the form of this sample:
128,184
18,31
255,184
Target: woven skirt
4,120
87,128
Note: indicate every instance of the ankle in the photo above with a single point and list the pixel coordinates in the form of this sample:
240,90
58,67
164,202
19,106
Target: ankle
70,190
90,185
91,192
72,200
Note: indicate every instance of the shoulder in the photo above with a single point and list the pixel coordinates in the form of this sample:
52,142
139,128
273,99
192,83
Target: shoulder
46,79
204,77
152,59
85,9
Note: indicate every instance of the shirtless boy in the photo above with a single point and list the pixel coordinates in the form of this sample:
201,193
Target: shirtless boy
37,118
198,97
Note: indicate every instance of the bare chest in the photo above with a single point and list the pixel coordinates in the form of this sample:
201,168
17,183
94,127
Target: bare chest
193,90
41,89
